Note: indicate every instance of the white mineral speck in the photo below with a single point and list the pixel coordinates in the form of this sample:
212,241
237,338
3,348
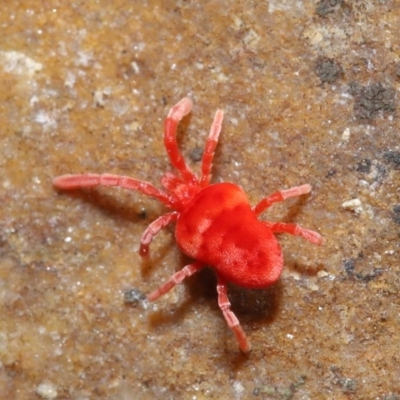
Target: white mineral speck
233,121
45,118
70,80
322,274
135,67
84,58
98,98
47,390
353,205
18,63
346,134
238,387
34,99
251,39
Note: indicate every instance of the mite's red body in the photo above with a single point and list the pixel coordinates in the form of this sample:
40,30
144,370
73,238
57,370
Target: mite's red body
219,228
215,224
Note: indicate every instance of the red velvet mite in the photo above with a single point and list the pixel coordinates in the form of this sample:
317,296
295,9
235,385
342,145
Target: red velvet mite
214,223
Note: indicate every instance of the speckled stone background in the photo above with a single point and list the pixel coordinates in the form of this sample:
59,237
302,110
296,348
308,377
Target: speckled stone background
310,92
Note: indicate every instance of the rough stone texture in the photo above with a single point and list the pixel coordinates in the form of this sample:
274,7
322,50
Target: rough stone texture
85,87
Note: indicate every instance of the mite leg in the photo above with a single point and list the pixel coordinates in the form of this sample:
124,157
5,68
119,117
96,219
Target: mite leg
177,112
211,144
67,182
175,279
280,196
296,230
153,229
230,317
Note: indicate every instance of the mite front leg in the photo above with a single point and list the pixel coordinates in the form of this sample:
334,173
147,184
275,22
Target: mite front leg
70,182
175,115
175,279
230,317
153,229
280,196
211,144
296,230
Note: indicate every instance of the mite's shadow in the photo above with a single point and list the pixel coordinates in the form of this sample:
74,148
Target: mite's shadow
122,206
249,305
295,208
252,307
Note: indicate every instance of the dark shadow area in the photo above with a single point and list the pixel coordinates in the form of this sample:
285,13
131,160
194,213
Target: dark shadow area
123,209
121,205
295,209
254,306
149,263
171,314
250,306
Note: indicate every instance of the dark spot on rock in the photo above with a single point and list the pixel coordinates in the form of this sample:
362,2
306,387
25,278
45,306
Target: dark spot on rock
328,70
391,397
133,296
348,385
196,154
398,70
142,214
349,266
331,172
325,7
393,158
364,166
396,212
371,99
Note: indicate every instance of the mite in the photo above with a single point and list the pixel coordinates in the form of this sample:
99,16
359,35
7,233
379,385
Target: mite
215,224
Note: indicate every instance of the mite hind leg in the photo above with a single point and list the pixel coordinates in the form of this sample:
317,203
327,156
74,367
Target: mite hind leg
230,317
175,279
